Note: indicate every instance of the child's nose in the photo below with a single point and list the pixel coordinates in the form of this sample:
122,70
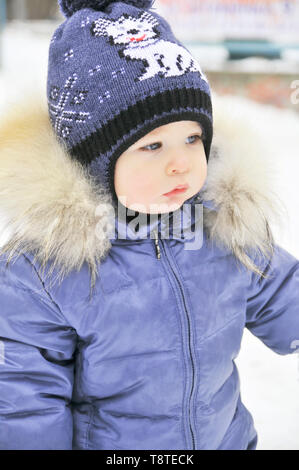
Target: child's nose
178,164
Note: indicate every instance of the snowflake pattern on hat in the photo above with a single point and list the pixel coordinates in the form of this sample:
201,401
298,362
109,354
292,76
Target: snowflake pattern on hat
59,115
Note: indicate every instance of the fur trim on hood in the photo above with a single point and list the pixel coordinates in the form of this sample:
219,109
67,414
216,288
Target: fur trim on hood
49,201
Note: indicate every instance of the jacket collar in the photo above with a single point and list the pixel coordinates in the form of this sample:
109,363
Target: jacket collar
51,206
179,225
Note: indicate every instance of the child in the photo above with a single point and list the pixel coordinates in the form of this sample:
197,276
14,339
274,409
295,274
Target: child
146,359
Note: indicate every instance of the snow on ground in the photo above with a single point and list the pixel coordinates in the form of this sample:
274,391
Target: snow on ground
269,382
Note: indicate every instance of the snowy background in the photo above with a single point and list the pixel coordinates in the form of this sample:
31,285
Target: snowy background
269,382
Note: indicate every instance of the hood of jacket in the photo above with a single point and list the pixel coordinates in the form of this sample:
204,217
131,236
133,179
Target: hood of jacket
51,205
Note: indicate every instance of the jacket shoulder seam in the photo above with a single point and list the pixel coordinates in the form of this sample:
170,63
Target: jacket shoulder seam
44,288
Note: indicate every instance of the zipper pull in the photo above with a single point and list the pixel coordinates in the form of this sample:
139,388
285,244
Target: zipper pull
158,253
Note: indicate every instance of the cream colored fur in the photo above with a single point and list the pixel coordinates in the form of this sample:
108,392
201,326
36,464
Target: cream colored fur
49,203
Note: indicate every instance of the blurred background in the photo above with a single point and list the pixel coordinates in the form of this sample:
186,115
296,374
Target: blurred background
249,50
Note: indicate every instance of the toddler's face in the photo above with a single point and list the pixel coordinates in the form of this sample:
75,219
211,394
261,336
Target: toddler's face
169,156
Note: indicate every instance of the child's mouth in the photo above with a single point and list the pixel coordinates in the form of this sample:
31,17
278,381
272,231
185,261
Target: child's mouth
177,190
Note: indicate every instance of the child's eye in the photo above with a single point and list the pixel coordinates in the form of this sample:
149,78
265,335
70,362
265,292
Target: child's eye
153,147
195,138
150,146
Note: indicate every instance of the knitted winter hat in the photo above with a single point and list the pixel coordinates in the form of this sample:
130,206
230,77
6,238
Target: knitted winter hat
115,73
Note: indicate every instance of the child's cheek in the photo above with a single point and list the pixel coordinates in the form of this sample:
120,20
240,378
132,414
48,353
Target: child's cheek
147,186
143,180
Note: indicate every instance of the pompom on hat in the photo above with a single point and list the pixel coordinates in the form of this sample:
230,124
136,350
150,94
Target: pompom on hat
115,73
69,7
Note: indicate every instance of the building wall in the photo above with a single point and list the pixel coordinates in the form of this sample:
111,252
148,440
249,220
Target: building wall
31,9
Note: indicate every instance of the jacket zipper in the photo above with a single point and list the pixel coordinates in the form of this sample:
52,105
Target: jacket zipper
158,255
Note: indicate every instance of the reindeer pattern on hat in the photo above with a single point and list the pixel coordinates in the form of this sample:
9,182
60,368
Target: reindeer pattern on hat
141,39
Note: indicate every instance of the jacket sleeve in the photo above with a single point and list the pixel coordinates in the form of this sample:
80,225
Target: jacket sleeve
273,306
36,367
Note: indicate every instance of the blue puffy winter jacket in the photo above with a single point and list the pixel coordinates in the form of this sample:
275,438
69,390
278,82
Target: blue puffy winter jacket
145,358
